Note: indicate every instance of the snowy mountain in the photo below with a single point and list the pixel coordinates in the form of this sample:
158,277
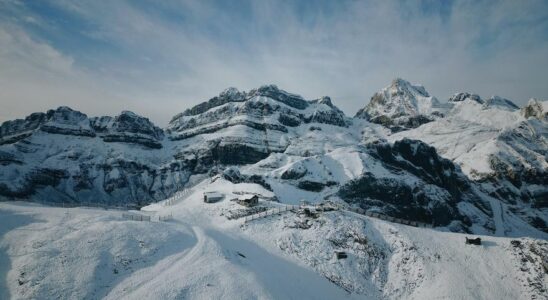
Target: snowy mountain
467,166
299,149
402,105
502,148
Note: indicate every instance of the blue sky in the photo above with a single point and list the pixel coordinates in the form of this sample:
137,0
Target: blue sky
157,59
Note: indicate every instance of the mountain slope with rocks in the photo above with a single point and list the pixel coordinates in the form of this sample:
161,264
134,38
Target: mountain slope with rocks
402,105
300,150
500,147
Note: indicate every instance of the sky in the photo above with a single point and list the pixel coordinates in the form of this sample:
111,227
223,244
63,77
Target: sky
158,58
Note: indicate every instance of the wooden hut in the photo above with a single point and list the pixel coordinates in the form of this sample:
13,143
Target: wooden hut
249,200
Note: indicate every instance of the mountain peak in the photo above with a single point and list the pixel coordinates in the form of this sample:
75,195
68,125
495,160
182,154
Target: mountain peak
499,102
401,105
536,109
402,84
459,97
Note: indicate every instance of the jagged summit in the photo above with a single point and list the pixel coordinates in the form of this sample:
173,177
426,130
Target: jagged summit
267,107
501,103
460,97
535,109
401,105
127,127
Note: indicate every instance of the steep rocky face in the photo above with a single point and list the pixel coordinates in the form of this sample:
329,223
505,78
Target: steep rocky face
229,95
535,109
67,122
499,149
520,171
420,186
59,121
245,127
128,128
63,155
13,131
402,105
459,97
264,108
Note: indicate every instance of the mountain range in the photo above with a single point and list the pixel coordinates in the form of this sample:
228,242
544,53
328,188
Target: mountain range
465,165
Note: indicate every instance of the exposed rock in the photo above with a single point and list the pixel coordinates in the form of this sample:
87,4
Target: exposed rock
535,109
233,175
401,106
459,97
434,198
129,128
66,121
13,131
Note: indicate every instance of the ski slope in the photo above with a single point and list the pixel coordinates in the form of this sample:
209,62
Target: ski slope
79,253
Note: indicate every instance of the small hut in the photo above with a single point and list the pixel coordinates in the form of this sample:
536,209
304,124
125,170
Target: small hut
341,254
249,200
211,197
476,241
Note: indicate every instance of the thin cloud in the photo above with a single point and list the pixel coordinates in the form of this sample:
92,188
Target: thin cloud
158,59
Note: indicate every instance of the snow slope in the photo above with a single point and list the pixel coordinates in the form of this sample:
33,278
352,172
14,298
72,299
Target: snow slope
501,147
201,254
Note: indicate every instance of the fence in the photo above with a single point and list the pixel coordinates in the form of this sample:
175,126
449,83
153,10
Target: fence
90,204
388,218
165,218
360,211
270,212
177,197
138,217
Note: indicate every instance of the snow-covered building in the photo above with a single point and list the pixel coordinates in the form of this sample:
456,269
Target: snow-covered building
248,200
211,197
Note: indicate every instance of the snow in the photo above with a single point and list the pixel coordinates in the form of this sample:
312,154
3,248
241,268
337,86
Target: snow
402,98
200,254
470,134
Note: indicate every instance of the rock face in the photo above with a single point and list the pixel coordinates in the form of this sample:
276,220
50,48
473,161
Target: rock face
237,128
459,97
62,120
536,109
63,155
421,186
401,105
128,128
499,148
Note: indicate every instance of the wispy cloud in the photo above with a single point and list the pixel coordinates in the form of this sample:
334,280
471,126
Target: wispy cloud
158,59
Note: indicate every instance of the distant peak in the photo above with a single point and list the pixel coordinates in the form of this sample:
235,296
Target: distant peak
535,108
326,100
64,108
268,87
402,84
128,113
231,91
496,101
459,97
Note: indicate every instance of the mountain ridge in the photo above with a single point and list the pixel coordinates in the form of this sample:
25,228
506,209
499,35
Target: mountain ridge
284,142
